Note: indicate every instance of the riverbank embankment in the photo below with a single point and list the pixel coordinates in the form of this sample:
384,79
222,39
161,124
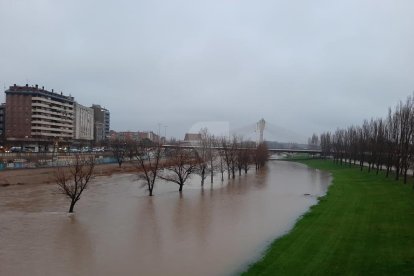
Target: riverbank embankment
364,225
47,175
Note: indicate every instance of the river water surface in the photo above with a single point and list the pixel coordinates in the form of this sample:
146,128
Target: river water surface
118,230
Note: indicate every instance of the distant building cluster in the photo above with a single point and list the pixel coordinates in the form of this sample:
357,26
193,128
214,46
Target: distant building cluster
192,138
37,119
136,136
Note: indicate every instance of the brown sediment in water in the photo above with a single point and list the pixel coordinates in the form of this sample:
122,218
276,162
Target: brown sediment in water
117,229
47,175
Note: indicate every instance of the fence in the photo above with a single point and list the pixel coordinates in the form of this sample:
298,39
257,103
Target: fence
26,160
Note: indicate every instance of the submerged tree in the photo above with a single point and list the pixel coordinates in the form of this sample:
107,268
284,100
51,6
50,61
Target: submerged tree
221,162
149,157
261,155
73,179
201,155
182,165
118,147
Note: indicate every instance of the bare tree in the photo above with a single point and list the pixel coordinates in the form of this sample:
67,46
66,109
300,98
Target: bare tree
74,179
118,150
378,142
326,144
239,148
248,155
262,155
218,143
313,142
201,155
226,154
244,154
233,155
211,156
149,157
182,165
131,147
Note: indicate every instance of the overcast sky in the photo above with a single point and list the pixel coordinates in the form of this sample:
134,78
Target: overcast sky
307,66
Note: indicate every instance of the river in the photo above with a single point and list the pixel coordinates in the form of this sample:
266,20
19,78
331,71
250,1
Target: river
118,230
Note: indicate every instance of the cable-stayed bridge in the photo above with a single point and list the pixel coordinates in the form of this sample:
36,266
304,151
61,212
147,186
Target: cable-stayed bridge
266,131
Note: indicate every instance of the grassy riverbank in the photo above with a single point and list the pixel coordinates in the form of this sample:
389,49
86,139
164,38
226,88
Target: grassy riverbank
365,225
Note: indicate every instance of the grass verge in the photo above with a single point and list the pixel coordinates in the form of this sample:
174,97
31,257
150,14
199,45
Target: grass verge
364,225
297,157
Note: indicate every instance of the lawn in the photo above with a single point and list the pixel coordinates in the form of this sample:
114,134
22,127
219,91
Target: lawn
364,225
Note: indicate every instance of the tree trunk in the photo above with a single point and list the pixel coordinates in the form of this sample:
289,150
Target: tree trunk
72,206
397,171
181,188
203,175
405,175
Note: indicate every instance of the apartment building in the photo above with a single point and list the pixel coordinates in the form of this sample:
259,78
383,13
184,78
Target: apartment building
102,123
84,123
2,118
33,114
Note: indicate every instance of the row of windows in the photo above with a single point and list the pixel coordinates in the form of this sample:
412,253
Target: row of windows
52,116
52,127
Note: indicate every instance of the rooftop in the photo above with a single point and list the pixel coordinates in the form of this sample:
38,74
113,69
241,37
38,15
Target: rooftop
33,90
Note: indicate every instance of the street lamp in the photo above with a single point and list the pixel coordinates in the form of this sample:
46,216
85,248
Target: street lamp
165,133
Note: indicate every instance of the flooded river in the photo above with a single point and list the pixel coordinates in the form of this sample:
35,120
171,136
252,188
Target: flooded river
118,230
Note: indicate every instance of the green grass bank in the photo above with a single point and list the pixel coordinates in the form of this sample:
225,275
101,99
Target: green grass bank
363,226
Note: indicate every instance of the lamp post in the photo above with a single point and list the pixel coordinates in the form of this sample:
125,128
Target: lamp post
159,133
165,133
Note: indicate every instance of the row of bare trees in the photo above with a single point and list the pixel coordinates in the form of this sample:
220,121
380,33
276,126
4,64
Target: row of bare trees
206,158
210,155
175,164
383,143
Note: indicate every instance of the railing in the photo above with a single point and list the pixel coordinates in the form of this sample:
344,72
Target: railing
25,160
18,155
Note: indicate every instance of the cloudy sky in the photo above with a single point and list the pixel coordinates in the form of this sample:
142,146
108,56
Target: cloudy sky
306,66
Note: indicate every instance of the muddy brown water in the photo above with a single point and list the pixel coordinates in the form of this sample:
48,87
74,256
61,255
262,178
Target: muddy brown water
118,230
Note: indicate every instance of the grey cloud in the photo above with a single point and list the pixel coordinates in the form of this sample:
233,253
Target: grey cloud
302,65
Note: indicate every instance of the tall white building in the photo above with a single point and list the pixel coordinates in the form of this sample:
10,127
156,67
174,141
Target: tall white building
84,123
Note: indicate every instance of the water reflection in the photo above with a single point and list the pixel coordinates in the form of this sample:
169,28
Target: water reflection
118,230
74,237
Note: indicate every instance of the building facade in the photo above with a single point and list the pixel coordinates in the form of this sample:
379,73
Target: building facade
2,122
149,135
34,114
84,123
135,136
102,123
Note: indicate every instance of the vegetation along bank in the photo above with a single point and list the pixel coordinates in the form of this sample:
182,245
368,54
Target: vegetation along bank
364,225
